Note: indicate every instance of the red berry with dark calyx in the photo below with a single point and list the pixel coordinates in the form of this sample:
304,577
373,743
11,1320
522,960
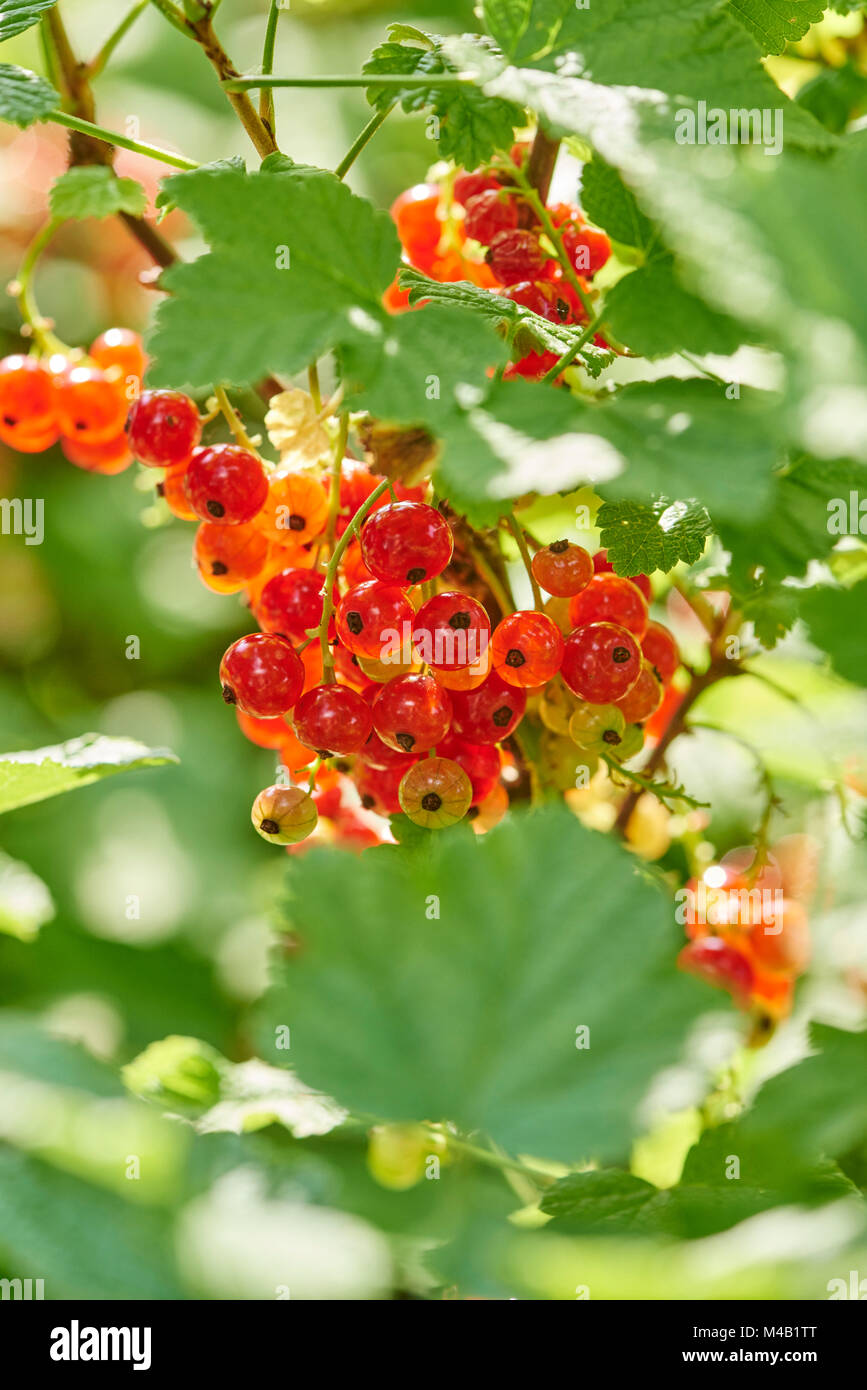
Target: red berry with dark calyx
412,713
644,698
225,484
480,761
609,598
291,603
163,428
228,557
28,404
378,787
601,662
527,649
371,616
89,409
333,719
661,651
489,213
516,255
541,297
470,183
562,569
262,674
489,713
587,248
406,543
602,565
379,754
451,631
720,964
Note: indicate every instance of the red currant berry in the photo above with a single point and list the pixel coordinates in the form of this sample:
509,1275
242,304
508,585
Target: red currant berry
471,182
451,630
562,569
290,603
602,565
28,405
164,428
89,409
532,366
602,661
228,557
295,509
715,961
412,713
120,354
378,786
226,484
644,698
378,754
527,649
609,598
435,793
587,248
406,543
480,761
516,255
109,458
265,733
333,719
489,213
489,713
373,616
541,297
661,651
171,488
262,674
782,946
415,215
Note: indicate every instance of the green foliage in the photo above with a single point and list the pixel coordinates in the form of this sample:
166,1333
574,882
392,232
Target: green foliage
485,1003
18,15
95,191
641,538
269,296
472,126
775,23
24,97
836,621
42,772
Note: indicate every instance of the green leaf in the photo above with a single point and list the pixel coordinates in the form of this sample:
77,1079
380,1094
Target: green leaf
43,772
799,523
93,190
24,97
835,96
18,15
297,266
165,203
472,125
775,23
689,439
25,902
529,331
603,1199
26,1049
835,618
83,1241
543,928
641,537
651,313
610,204
689,53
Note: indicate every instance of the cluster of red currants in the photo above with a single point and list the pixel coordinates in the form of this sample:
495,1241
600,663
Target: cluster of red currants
748,931
80,400
482,226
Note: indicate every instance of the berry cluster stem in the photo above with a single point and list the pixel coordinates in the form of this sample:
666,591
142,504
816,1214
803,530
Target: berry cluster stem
46,341
234,421
330,579
515,528
336,470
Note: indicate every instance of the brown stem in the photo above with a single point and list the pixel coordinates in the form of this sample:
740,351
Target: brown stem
543,157
225,69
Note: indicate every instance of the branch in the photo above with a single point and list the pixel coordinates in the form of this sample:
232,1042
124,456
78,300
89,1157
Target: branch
543,157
